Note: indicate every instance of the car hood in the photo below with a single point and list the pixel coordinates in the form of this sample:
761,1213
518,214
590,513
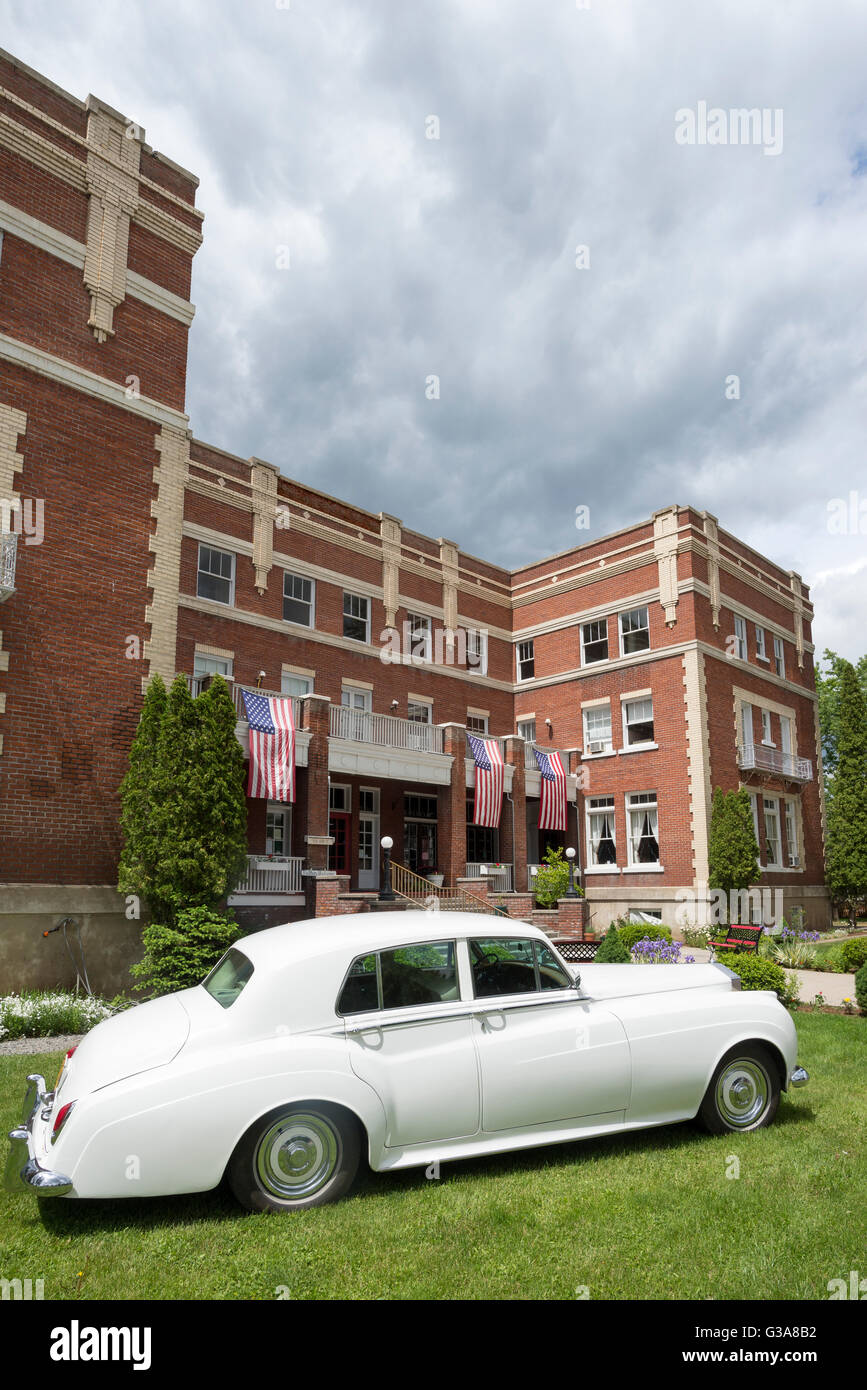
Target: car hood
145,1036
622,981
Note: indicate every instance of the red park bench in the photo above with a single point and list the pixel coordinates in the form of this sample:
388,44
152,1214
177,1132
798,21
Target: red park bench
739,938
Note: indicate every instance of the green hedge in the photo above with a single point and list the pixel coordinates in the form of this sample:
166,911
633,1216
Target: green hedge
853,954
756,973
630,932
612,951
180,957
861,989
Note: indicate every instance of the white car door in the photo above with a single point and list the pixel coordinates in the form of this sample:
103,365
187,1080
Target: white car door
411,1038
545,1055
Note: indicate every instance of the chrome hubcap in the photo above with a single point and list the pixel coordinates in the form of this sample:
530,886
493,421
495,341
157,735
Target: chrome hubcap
742,1093
296,1157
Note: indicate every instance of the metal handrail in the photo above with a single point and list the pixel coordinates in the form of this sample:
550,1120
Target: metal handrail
755,755
386,730
411,886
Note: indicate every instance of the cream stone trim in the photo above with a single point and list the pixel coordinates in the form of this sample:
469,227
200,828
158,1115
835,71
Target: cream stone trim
203,649
636,694
587,615
712,533
665,544
486,713
64,248
80,379
215,493
12,424
263,483
390,527
45,154
698,759
297,670
170,475
799,616
619,567
450,573
419,699
600,700
762,702
113,156
355,684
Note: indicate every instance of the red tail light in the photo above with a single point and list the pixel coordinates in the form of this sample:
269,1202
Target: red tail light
60,1119
70,1051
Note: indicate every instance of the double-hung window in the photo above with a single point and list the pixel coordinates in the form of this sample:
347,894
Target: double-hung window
773,846
634,631
779,657
477,723
766,728
291,684
297,599
638,721
356,617
419,712
527,730
594,641
740,637
597,729
216,575
601,841
420,636
761,650
526,661
477,650
642,823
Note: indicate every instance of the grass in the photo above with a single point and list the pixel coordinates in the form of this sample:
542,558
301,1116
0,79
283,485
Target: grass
643,1215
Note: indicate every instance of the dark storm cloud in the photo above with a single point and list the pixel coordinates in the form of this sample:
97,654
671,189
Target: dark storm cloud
412,257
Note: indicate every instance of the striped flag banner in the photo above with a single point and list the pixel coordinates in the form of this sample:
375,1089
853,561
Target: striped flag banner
490,777
552,802
272,746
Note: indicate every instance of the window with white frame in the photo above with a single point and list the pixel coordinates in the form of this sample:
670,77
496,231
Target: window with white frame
351,697
601,837
420,636
477,723
527,729
634,631
640,915
766,728
298,595
594,641
637,721
419,711
339,797
747,736
477,650
779,657
356,617
278,829
291,684
597,729
526,661
785,734
642,826
761,650
211,665
216,575
740,637
773,846
792,834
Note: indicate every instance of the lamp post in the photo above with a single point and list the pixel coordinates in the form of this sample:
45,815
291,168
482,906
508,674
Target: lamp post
570,891
386,892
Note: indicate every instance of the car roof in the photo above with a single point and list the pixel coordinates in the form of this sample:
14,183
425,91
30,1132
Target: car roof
358,932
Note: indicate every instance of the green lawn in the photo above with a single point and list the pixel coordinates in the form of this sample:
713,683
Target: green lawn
645,1215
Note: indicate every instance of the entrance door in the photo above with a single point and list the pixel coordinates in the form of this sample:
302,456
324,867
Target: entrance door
368,838
338,853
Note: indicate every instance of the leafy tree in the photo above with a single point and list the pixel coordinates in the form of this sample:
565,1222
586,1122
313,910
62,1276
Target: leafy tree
140,852
846,855
828,688
733,853
552,879
189,808
181,956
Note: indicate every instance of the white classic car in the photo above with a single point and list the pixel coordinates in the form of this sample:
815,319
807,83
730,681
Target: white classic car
403,1037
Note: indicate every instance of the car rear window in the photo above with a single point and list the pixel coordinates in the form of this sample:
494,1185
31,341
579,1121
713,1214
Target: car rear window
424,973
228,977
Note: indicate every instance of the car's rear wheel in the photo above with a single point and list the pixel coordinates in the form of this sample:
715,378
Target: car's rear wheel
744,1092
297,1157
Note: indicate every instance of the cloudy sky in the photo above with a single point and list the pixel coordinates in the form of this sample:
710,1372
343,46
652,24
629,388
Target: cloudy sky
566,378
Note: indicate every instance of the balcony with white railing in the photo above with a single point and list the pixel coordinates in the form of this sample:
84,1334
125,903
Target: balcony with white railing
499,877
759,758
530,756
8,552
268,877
383,745
385,730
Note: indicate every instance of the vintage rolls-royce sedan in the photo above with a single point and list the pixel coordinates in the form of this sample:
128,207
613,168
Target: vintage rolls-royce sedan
401,1038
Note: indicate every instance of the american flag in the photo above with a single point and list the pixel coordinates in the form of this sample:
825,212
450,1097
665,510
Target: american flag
272,746
552,802
489,780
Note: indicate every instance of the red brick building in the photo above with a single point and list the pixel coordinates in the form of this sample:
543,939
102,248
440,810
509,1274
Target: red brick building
663,661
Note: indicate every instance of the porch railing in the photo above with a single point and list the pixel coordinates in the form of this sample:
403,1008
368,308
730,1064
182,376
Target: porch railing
241,708
387,730
530,755
278,874
413,888
755,755
497,876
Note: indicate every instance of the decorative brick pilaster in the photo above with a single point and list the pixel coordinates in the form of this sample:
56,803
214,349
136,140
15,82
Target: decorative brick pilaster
113,159
315,716
263,492
452,808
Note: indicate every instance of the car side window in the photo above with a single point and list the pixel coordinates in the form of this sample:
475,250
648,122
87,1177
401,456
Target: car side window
417,974
514,966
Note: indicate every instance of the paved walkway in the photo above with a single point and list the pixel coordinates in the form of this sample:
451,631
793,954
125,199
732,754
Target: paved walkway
16,1046
833,988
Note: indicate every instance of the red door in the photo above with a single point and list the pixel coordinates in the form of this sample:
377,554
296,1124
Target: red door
338,853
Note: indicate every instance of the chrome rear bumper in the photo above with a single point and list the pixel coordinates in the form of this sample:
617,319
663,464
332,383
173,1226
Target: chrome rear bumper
24,1173
800,1076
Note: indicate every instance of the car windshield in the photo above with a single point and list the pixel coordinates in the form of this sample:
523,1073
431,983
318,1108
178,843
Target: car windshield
228,977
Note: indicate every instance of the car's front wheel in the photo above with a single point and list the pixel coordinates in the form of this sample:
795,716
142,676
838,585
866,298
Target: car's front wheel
297,1157
744,1092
